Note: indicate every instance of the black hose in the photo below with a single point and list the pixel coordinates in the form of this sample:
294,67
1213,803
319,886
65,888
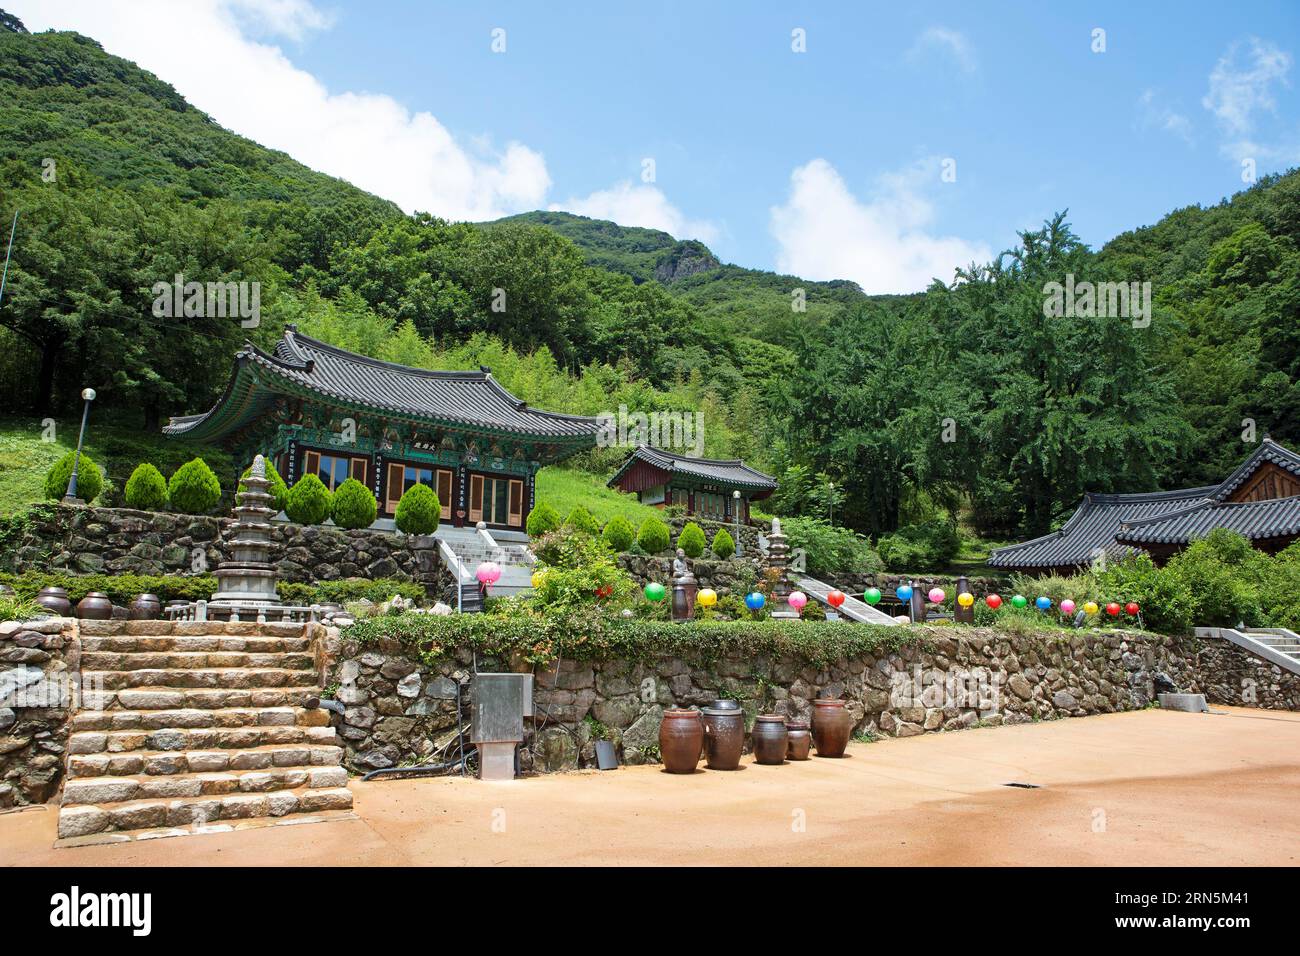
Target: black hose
431,769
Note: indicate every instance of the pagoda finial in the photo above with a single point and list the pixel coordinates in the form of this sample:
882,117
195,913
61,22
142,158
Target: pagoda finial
259,467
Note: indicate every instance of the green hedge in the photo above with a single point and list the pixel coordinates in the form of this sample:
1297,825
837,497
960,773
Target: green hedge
724,546
349,589
586,636
691,540
618,534
543,519
580,519
122,588
653,536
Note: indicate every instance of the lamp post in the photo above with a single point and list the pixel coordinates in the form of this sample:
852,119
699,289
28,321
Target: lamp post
830,500
71,497
735,497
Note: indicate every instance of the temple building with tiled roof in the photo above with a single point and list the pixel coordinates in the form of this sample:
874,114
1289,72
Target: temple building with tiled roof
314,408
707,487
1260,500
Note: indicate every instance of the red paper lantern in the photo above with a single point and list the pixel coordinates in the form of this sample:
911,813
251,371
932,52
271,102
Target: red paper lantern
835,598
993,601
1131,609
1112,609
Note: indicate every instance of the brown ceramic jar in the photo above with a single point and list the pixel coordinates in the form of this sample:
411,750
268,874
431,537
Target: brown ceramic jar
831,726
799,740
55,600
769,739
724,737
681,735
95,606
145,607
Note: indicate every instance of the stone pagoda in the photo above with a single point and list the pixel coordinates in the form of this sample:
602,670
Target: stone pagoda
778,558
247,579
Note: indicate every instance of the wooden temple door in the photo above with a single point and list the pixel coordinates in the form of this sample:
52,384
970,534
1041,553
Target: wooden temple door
498,501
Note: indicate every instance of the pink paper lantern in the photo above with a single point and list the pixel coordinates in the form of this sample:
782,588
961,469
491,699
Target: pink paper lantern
1067,606
797,600
937,595
488,572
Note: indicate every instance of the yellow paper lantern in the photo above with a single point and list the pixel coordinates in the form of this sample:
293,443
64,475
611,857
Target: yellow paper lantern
707,597
536,579
965,599
1090,607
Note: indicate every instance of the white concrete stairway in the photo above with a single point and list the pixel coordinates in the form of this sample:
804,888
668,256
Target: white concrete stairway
852,608
1277,645
197,727
508,549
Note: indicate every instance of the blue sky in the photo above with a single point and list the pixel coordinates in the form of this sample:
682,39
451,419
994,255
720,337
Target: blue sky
828,162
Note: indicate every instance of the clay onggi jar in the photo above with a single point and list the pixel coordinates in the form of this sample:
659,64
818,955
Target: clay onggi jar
724,737
681,735
800,740
831,726
769,738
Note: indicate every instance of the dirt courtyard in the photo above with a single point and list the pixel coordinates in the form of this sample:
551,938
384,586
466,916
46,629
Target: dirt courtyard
1149,787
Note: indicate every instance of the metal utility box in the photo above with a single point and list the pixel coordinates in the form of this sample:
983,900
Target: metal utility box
498,705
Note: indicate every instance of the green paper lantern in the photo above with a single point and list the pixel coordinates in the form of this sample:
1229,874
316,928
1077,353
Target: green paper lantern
654,591
1019,601
872,596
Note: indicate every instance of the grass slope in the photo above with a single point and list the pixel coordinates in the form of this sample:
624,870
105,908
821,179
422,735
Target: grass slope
564,488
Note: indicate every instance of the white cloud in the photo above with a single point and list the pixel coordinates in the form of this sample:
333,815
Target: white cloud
203,48
629,204
948,43
1154,114
1238,90
823,231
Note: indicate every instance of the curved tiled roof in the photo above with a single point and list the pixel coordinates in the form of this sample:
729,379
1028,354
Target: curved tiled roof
1275,518
726,471
1268,451
471,399
1091,529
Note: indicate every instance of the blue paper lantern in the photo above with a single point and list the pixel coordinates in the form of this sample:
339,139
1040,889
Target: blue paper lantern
904,592
755,601
1043,603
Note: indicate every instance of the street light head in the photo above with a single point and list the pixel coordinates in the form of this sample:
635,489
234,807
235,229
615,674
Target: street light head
88,394
735,494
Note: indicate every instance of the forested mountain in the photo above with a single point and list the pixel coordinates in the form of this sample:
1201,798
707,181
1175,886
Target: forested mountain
968,397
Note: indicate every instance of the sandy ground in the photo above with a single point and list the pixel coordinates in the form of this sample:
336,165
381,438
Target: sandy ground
1150,787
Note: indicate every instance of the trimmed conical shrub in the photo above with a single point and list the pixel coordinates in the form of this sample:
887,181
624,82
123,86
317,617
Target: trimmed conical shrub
543,519
308,501
580,519
723,544
618,534
193,488
419,511
653,536
691,540
90,482
354,505
146,489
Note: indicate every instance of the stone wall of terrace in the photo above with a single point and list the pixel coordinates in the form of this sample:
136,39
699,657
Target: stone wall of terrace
40,664
399,708
89,540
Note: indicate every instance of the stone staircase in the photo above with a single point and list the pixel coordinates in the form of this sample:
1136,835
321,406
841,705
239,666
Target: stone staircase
1276,645
197,727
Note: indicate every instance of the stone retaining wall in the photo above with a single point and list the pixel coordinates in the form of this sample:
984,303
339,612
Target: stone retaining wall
40,664
399,710
88,540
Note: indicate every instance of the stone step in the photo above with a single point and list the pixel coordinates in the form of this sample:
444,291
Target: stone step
119,789
197,738
190,629
190,660
224,826
212,643
197,717
85,819
157,763
203,698
217,678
